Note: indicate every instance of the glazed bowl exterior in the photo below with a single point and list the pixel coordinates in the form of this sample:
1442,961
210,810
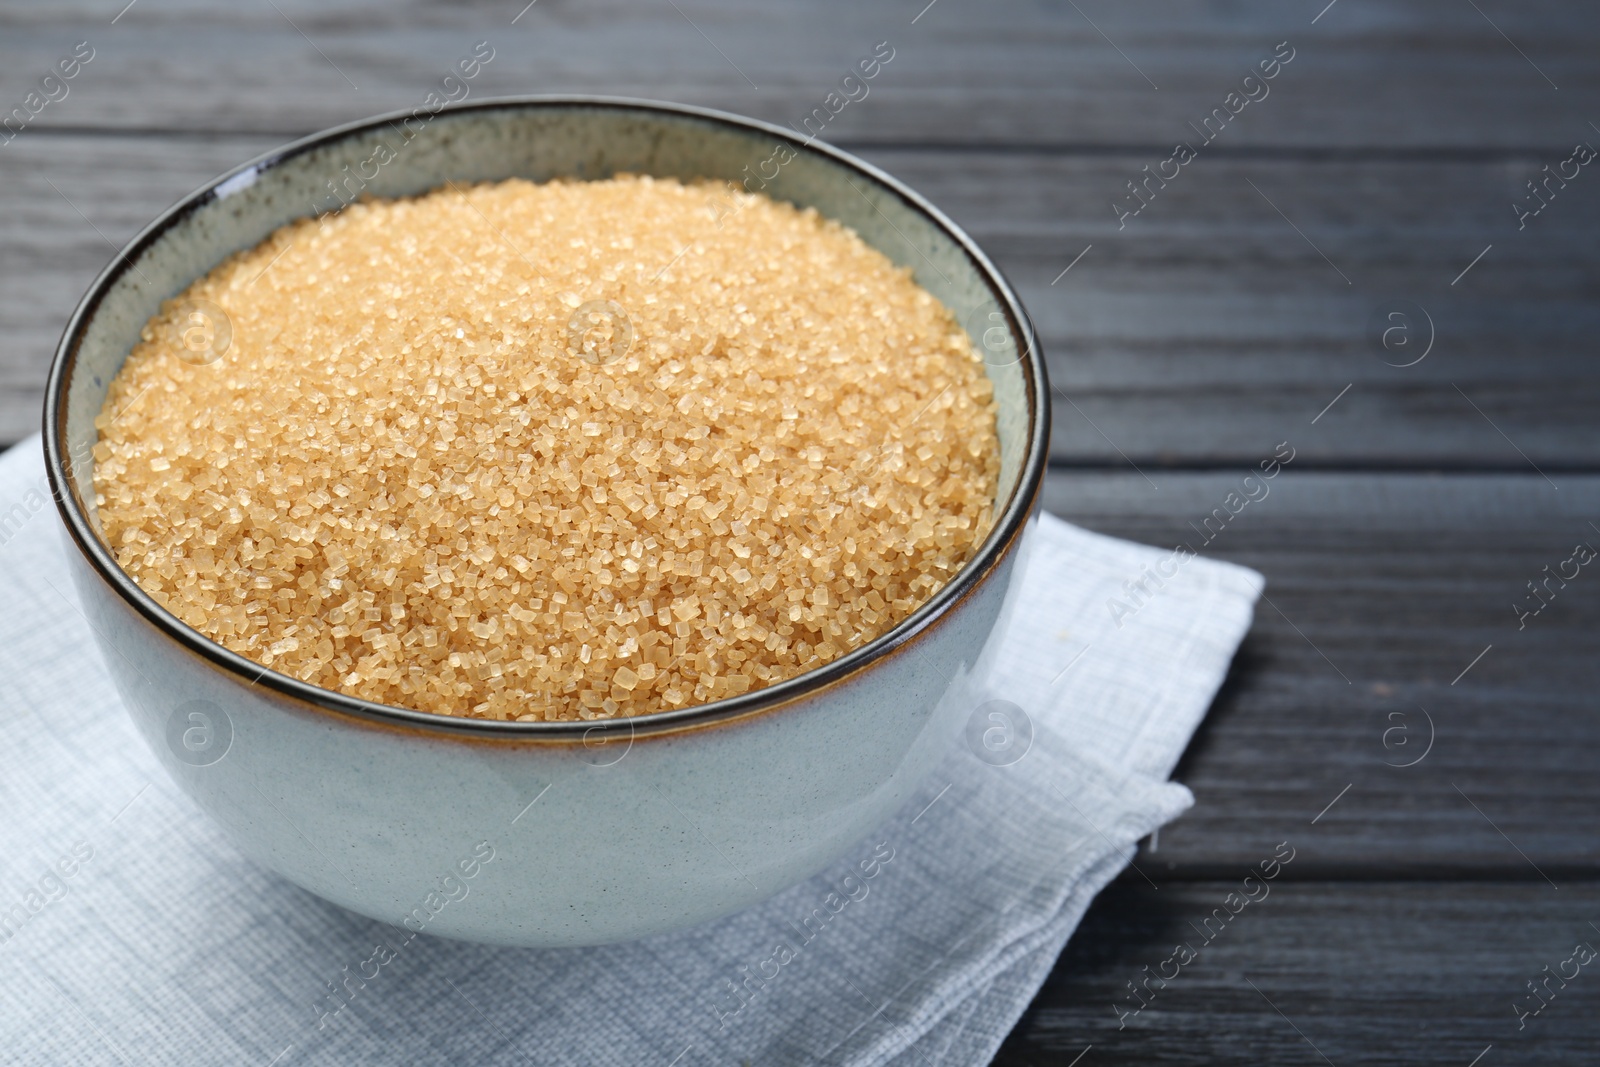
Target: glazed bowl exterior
546,834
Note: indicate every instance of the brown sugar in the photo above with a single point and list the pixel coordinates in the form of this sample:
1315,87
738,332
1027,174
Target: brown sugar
549,451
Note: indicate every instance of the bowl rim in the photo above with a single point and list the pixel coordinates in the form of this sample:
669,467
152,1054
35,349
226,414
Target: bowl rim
1002,536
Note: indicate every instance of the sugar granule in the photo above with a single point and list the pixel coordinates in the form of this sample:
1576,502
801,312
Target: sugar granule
566,450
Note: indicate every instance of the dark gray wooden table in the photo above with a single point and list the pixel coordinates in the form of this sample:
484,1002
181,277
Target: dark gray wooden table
1284,285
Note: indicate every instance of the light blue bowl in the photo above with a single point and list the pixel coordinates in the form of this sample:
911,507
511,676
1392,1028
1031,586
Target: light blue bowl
546,833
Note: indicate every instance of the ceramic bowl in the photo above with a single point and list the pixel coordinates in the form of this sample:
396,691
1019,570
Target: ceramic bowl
546,833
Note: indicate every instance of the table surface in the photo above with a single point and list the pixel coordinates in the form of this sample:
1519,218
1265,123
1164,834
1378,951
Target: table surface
1342,270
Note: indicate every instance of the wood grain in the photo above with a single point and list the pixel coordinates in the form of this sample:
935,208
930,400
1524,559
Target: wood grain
1367,74
1389,973
1381,589
1211,322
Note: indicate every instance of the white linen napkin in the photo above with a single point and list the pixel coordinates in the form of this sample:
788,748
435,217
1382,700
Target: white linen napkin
131,931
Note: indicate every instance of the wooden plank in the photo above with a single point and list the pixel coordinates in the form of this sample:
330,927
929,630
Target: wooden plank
1384,590
977,74
1390,973
72,203
1208,324
1200,334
